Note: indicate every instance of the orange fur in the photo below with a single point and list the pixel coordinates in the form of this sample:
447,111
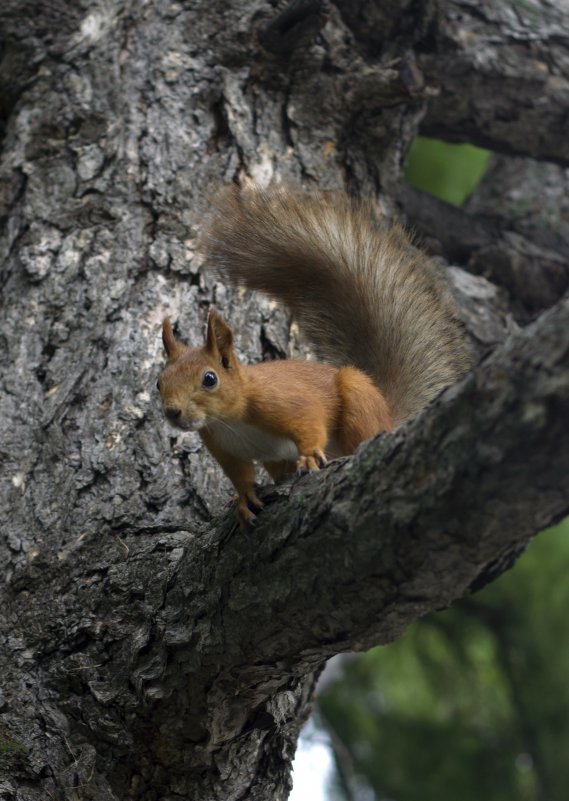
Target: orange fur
284,414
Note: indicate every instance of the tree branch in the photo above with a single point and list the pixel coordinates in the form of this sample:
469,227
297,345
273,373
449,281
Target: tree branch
531,263
503,78
347,558
420,502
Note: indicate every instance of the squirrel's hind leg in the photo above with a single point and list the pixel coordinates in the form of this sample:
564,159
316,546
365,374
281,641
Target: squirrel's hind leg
364,412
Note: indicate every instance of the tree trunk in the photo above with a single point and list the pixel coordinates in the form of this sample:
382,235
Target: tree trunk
148,649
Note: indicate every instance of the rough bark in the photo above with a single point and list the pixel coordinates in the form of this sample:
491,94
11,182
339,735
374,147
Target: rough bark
148,650
513,231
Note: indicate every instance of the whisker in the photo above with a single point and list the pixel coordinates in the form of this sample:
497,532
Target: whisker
241,434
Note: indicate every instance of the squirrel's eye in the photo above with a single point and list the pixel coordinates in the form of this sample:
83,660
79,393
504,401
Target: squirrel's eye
158,386
209,379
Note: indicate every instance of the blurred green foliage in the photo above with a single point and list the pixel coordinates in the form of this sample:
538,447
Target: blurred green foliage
451,172
472,703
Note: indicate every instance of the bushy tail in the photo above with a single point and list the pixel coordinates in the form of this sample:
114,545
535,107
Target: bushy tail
361,295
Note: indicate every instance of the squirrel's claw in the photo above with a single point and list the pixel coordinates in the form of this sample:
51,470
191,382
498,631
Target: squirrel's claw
245,517
320,457
247,506
254,503
312,462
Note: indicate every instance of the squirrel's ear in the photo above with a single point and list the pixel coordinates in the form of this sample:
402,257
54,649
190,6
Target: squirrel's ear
219,340
171,345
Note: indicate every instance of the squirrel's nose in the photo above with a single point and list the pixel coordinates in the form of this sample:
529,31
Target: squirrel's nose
173,413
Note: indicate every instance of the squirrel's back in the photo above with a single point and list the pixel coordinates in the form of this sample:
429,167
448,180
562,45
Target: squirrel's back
361,293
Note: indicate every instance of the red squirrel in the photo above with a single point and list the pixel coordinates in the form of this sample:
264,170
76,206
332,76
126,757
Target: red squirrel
373,306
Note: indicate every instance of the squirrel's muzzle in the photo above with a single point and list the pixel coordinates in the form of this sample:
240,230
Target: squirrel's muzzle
173,414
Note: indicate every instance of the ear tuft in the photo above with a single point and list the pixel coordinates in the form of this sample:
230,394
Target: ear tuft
171,345
219,340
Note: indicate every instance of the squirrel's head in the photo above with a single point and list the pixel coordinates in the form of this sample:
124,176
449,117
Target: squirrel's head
200,385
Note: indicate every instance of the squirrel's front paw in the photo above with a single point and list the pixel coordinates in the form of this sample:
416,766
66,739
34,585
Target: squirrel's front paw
312,462
247,505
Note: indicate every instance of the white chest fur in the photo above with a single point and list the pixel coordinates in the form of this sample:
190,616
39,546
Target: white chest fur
246,441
